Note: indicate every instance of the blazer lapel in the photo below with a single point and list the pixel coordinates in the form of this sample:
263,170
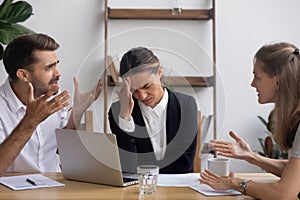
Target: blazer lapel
173,116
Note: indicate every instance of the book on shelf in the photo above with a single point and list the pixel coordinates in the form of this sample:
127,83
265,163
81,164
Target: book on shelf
205,124
112,64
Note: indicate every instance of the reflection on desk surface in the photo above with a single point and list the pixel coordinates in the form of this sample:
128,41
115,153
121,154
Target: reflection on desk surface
81,190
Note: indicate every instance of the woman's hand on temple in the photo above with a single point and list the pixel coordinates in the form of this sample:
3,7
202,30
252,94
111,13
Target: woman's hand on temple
126,101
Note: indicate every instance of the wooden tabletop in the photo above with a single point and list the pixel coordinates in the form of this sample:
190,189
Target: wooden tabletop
81,190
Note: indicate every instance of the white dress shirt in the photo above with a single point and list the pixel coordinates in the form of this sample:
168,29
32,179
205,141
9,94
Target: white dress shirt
39,153
155,120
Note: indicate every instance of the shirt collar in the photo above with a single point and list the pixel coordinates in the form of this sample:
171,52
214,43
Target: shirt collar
13,101
159,108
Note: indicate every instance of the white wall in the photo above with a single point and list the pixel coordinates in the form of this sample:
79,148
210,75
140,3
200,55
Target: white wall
242,27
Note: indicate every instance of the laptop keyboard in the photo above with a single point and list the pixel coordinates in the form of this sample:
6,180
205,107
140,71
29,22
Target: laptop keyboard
126,180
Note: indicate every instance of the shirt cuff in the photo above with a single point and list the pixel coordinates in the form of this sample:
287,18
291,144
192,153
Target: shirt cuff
126,125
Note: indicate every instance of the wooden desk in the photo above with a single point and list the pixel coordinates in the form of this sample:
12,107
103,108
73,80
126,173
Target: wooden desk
80,190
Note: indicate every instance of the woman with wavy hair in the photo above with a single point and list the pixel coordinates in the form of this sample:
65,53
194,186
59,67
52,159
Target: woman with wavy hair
276,80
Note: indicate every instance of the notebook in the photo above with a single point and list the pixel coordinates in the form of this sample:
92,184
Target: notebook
91,157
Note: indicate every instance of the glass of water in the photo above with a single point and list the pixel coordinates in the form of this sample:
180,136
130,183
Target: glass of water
148,175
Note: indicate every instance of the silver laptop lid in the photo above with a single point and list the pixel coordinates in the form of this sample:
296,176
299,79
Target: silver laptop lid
89,156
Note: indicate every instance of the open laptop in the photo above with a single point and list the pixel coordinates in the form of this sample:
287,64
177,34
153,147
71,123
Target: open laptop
91,157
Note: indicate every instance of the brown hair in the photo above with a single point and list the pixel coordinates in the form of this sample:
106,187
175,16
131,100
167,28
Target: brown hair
137,57
282,59
19,54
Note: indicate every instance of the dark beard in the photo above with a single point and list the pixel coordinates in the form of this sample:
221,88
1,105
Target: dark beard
52,81
44,91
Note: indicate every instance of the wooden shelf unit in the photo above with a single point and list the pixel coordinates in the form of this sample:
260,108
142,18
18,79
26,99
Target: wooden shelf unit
159,14
179,81
166,14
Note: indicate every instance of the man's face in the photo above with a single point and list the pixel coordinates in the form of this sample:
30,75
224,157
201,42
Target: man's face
44,72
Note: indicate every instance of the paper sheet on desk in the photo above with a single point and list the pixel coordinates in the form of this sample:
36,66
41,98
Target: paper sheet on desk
20,183
178,180
208,191
191,180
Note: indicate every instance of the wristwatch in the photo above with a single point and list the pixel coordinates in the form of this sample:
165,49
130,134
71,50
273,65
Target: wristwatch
243,185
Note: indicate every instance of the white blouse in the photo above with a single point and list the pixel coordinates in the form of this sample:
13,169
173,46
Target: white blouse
155,120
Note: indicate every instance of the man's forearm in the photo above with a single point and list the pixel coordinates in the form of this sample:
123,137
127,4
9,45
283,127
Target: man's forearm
74,121
12,146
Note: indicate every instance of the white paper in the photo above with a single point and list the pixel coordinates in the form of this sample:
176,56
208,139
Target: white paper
191,180
178,180
20,183
208,191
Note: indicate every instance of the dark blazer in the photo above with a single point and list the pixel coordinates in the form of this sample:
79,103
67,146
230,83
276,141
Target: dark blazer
181,129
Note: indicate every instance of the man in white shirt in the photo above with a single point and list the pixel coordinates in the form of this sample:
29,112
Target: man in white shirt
32,107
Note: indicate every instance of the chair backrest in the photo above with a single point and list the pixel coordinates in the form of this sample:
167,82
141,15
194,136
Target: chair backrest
88,121
197,161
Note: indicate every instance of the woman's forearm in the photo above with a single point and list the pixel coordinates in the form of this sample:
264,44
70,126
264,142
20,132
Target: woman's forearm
273,166
264,191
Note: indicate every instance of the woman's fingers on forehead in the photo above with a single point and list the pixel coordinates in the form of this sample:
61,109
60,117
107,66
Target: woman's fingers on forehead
132,90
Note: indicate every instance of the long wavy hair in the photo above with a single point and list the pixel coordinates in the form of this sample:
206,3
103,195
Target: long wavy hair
283,60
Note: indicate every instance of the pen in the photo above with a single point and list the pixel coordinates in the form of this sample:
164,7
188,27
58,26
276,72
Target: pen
31,182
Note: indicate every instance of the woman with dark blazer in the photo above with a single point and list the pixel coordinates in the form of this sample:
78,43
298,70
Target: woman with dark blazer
153,124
